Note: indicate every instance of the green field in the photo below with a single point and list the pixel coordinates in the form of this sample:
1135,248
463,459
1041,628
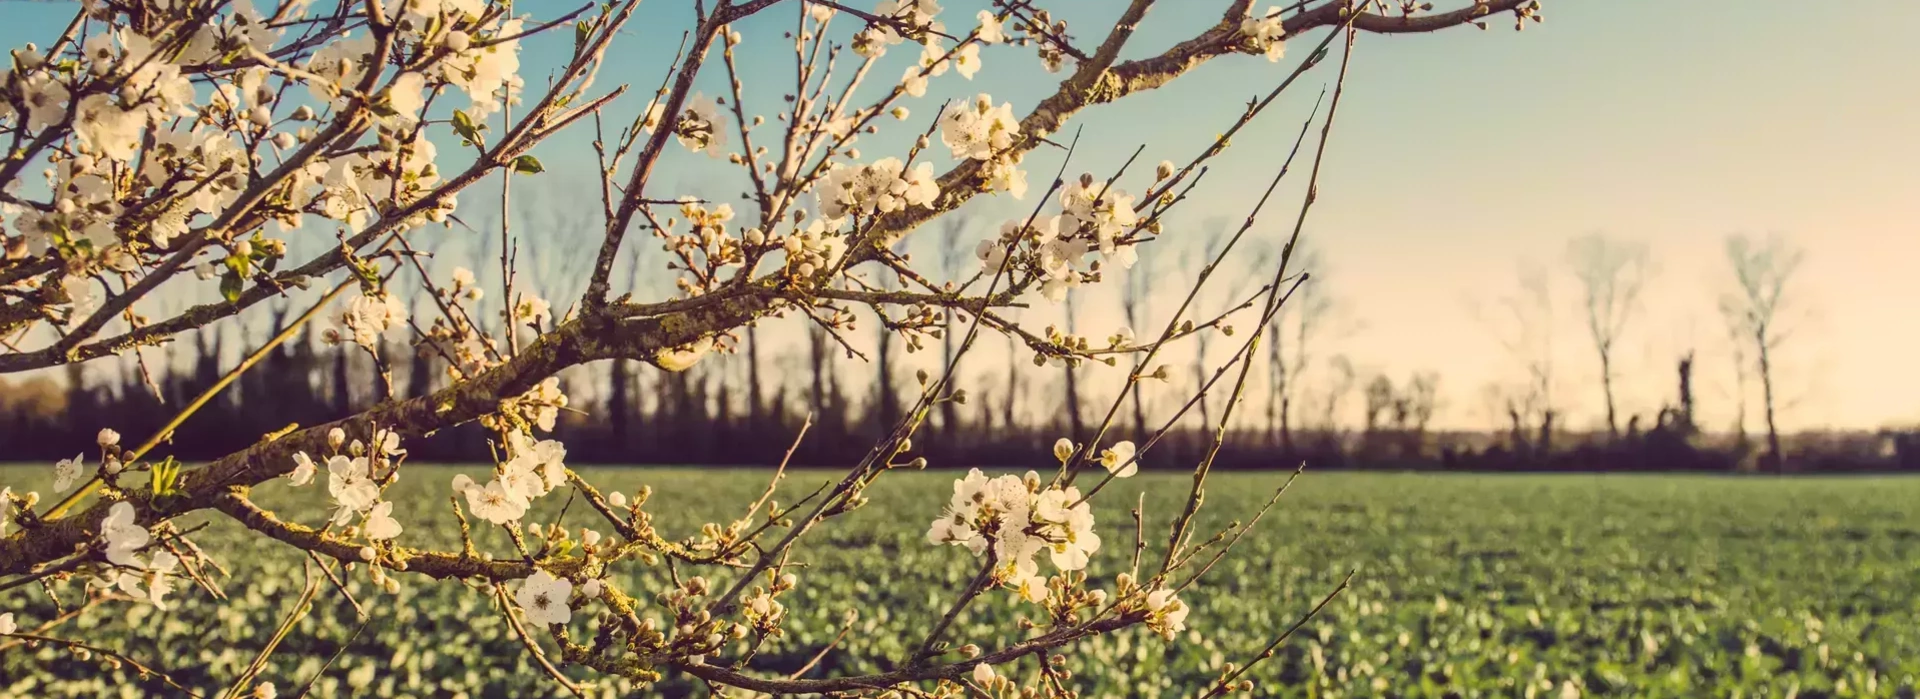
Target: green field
1468,586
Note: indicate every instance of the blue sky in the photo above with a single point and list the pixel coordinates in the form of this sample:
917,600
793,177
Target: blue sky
1460,156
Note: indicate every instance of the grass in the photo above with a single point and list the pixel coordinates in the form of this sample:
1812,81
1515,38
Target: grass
1468,586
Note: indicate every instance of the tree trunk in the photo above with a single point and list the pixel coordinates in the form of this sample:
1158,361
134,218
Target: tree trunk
618,404
1544,446
949,410
1774,458
885,399
1013,390
1606,386
755,411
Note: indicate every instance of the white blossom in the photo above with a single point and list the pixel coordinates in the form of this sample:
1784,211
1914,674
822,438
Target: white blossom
368,317
1166,614
1267,33
7,626
966,61
683,357
700,129
122,535
990,30
544,598
350,482
532,310
158,581
977,129
380,522
66,471
495,502
1017,519
485,73
303,469
1118,460
405,94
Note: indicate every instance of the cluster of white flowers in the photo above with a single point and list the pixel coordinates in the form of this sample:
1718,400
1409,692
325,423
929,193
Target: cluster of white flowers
1166,614
369,317
1094,216
883,186
1099,213
484,70
130,98
1017,519
813,248
533,469
124,538
872,42
352,482
540,405
934,61
1267,32
977,130
1117,459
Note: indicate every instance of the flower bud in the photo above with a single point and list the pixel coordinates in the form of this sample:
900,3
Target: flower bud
304,113
108,437
336,437
284,141
900,113
366,553
261,117
617,499
458,41
1164,171
592,588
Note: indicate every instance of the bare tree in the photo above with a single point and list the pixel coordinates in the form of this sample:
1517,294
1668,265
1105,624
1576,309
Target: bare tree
1524,327
1762,272
1288,359
952,257
1344,378
1070,376
1611,273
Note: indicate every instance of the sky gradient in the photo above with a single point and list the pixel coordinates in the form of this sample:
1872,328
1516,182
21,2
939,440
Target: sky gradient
1461,156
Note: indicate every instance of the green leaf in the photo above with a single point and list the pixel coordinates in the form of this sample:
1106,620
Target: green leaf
463,125
230,287
528,165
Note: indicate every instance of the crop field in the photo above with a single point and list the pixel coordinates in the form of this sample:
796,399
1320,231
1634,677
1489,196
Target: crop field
1648,586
